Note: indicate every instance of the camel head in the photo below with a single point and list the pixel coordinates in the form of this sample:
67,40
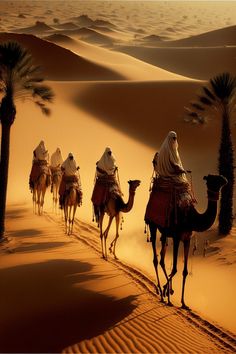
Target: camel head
133,184
215,182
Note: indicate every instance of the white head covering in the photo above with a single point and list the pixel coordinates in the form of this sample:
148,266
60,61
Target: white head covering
107,162
56,158
41,152
168,157
69,166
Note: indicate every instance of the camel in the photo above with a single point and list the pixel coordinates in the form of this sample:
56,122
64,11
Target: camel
71,201
56,180
187,221
39,190
113,208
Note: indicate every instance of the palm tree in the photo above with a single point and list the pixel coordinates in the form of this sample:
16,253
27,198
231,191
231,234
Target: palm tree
220,96
19,78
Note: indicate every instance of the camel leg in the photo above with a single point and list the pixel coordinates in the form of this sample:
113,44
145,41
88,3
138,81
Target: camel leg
166,287
73,217
65,215
56,197
69,220
101,216
113,243
106,234
42,200
185,271
174,267
153,230
38,199
34,200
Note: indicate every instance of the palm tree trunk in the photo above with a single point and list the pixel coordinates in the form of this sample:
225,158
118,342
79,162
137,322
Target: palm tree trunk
4,164
226,168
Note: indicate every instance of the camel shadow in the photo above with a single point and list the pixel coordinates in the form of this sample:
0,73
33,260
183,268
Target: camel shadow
16,213
25,233
42,246
49,309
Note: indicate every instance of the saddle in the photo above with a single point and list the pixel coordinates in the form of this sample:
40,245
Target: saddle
104,188
166,197
39,167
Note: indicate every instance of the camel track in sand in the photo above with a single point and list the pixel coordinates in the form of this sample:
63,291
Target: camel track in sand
224,339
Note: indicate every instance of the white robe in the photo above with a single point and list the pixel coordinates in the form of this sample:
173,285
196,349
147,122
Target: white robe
168,157
56,159
40,152
69,167
107,162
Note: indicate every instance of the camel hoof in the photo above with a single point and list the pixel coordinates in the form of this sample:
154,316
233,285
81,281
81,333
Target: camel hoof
165,290
185,307
169,303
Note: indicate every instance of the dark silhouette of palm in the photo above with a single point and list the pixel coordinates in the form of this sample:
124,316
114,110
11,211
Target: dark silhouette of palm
219,97
19,78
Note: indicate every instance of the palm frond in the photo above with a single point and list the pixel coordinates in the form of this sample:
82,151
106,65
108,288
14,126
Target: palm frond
208,93
11,54
224,86
193,114
43,108
44,92
20,77
197,106
205,100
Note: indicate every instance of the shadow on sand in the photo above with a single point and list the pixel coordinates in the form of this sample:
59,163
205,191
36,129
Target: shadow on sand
48,309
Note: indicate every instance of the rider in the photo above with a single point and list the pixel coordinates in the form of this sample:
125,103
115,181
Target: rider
56,160
40,163
171,188
70,175
55,163
170,168
106,180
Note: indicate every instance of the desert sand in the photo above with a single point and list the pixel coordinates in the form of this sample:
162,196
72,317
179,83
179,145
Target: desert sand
59,295
122,73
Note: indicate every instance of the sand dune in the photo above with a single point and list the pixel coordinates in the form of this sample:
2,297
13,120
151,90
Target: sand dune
86,21
83,20
90,35
60,38
128,66
53,59
39,28
218,38
197,63
66,26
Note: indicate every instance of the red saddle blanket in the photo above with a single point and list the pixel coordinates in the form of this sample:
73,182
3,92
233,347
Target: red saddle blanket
159,208
102,190
166,197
